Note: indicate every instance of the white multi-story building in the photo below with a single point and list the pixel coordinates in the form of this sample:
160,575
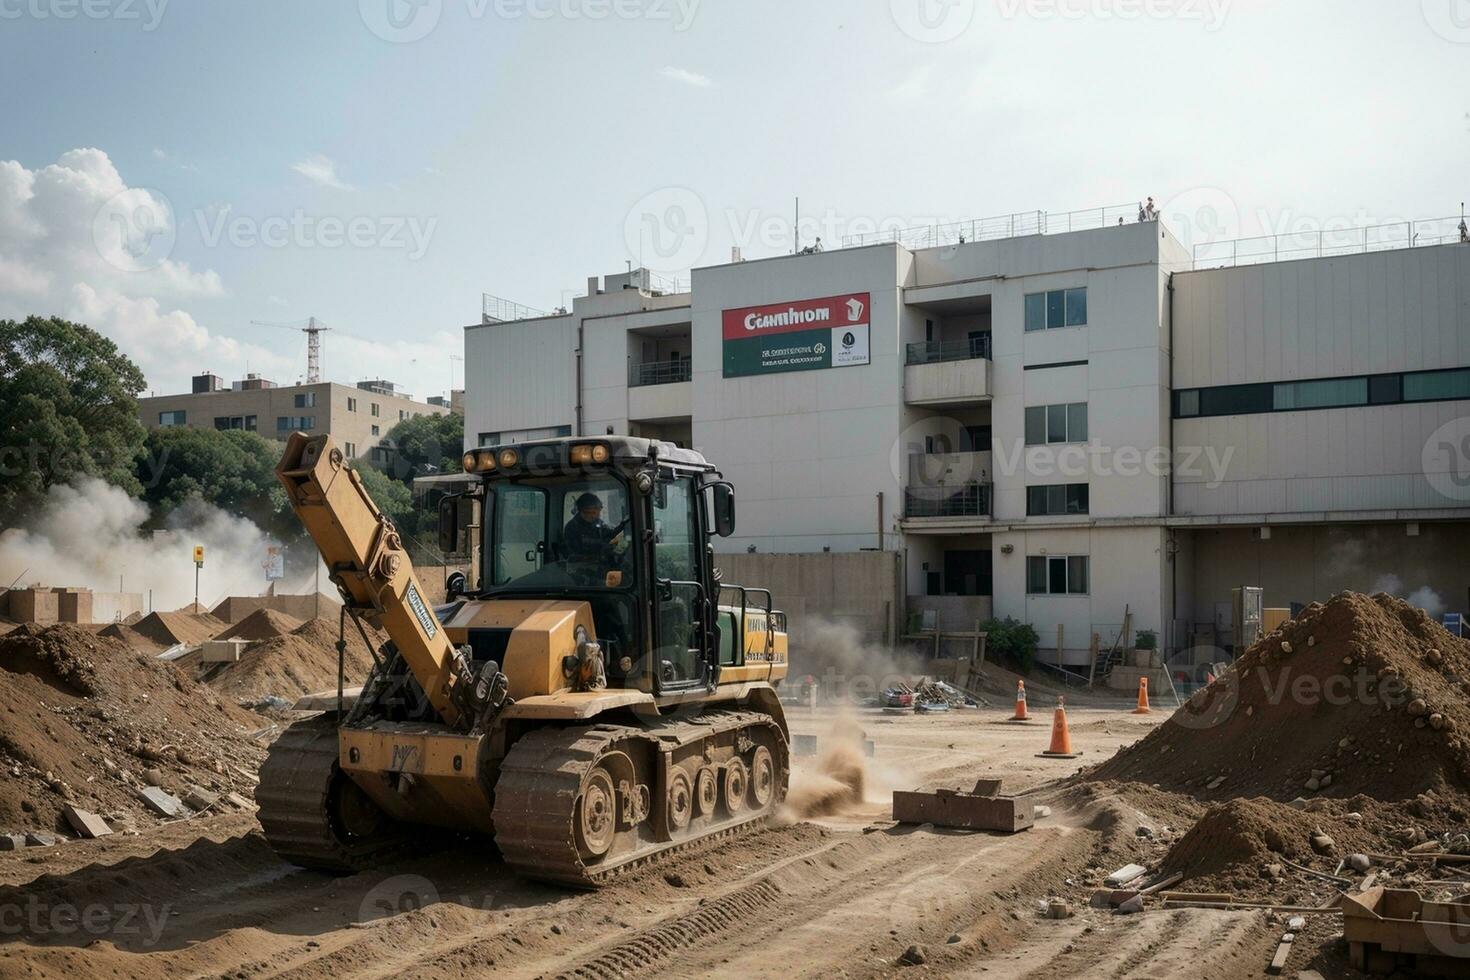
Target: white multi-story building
1054,427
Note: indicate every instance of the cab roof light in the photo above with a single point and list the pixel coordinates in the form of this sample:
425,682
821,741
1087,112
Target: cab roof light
478,462
508,458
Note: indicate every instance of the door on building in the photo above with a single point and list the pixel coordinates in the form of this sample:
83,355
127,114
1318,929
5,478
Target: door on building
967,573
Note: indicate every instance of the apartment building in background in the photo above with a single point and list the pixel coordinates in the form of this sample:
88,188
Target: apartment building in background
357,418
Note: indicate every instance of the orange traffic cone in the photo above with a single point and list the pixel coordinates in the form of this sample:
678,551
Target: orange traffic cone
1142,708
1020,714
1061,738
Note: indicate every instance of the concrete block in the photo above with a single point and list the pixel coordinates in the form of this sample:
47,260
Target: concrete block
966,811
222,651
74,605
239,802
33,606
199,798
86,823
160,802
37,839
12,842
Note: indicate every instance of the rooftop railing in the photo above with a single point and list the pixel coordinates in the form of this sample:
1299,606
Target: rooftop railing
1321,244
997,227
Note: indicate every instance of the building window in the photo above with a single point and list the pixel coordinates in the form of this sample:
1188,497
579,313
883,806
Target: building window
1057,574
295,423
179,417
1297,396
351,404
1056,308
226,422
489,439
250,423
1056,499
376,431
350,448
306,400
374,407
1427,386
222,422
1056,423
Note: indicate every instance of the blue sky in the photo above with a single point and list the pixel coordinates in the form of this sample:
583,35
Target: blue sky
520,146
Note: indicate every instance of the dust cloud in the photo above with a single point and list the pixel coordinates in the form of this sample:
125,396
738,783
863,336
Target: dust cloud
1423,597
91,534
847,668
839,781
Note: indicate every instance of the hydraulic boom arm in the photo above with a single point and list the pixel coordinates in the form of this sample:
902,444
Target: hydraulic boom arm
366,559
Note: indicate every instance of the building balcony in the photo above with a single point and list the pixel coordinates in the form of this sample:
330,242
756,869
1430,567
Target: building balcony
969,501
948,372
936,471
660,373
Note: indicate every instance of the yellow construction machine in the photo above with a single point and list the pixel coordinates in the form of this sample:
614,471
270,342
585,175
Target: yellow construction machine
591,695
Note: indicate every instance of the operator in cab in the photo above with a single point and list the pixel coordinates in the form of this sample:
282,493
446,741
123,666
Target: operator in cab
586,537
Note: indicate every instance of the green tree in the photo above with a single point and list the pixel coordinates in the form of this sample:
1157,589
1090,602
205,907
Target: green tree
233,470
68,407
426,444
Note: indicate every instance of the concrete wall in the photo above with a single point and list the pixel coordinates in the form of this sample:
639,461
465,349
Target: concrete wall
857,589
1381,312
1311,563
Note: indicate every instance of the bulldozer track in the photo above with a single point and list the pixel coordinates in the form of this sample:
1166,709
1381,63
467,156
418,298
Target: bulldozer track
293,797
542,776
647,949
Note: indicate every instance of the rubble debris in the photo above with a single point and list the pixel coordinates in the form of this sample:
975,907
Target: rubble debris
86,823
1125,874
12,842
163,803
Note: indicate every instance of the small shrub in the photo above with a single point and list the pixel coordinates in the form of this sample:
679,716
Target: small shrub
1011,640
1146,640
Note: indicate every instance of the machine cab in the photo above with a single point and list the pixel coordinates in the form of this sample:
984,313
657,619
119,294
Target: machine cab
622,524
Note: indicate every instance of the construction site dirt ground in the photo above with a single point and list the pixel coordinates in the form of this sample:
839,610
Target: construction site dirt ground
843,895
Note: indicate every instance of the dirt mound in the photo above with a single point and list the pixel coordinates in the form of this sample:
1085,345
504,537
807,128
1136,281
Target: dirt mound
193,609
82,718
130,636
260,625
296,663
1363,695
177,627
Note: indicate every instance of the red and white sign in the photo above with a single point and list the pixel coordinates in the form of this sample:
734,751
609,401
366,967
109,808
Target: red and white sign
847,310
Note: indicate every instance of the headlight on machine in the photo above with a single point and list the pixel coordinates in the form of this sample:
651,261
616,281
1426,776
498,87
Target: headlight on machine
509,458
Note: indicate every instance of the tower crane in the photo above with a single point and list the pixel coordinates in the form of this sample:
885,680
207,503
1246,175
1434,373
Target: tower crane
313,330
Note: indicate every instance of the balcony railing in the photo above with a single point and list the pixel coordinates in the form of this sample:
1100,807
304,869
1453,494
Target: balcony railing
934,351
967,500
660,373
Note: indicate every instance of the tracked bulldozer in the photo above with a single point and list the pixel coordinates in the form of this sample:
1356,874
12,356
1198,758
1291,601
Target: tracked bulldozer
590,695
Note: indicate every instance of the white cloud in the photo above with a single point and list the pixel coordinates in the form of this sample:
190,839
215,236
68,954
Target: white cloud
67,232
687,77
320,169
